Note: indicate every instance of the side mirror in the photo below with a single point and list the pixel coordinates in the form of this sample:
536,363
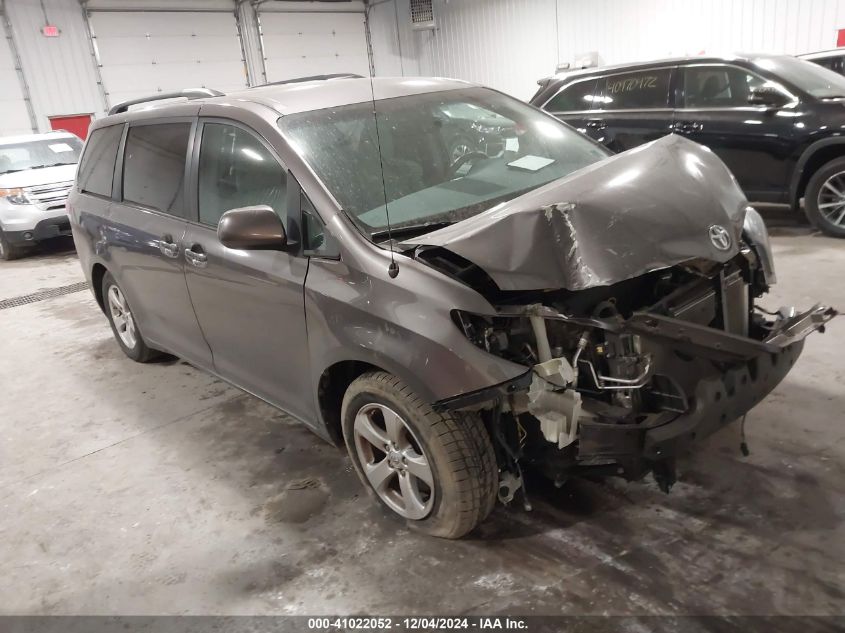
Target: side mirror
252,228
768,96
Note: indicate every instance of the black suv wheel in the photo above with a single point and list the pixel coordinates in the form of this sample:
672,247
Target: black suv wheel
824,199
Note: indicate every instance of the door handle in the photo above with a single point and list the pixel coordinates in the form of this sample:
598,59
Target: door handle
596,124
195,255
687,126
168,247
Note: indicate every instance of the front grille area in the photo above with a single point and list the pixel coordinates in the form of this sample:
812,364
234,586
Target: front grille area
52,196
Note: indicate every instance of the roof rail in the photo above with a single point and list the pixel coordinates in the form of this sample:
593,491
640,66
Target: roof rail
188,93
297,80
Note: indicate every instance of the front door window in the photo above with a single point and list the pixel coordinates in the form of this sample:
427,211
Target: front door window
237,170
719,86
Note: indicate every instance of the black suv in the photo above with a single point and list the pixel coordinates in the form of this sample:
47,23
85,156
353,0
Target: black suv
776,121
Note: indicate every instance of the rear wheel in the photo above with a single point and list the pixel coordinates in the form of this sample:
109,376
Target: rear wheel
437,471
123,323
8,252
824,199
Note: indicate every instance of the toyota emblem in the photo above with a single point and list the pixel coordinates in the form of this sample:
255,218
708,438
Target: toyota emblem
720,237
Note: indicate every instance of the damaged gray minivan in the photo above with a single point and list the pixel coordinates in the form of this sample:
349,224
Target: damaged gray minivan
453,317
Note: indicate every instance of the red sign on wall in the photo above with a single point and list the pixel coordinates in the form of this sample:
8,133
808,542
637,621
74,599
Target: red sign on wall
50,31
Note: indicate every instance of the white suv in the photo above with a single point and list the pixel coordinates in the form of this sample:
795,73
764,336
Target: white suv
36,174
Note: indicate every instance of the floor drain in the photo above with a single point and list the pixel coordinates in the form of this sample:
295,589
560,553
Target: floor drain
42,295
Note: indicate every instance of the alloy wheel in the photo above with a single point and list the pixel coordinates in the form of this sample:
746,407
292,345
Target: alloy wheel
458,150
122,317
393,461
831,199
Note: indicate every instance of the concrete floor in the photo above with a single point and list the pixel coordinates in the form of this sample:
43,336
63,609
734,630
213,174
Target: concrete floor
132,489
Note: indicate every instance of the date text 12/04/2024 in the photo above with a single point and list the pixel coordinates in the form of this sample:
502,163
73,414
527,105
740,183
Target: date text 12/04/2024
417,623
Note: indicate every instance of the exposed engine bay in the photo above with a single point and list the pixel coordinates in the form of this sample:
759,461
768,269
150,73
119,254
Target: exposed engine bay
623,377
629,291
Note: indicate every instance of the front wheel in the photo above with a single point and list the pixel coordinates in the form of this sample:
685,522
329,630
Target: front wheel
437,471
123,323
824,199
8,252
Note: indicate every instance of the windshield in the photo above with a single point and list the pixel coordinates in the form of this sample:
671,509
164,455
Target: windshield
809,77
41,153
446,155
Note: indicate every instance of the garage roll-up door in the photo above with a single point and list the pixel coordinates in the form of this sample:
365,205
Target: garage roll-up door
14,116
143,53
301,44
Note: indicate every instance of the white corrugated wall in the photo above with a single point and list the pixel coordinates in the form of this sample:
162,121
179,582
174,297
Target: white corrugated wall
15,115
59,71
508,44
392,40
624,31
505,44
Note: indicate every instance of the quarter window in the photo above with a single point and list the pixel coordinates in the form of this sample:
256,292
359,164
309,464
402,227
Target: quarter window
825,62
718,86
236,170
154,166
577,96
635,91
96,171
316,240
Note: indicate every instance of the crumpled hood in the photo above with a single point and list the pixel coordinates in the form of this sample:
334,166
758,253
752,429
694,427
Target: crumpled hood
645,209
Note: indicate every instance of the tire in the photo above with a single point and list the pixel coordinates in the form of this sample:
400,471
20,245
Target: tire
8,252
455,447
459,145
122,321
830,178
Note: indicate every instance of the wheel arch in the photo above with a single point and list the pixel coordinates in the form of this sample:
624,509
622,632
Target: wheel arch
335,379
332,386
813,158
98,271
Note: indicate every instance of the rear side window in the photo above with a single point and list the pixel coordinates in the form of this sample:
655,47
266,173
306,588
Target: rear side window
836,64
236,170
154,166
718,86
577,96
824,62
635,91
96,171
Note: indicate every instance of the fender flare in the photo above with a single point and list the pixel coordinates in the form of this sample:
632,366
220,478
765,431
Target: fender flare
807,154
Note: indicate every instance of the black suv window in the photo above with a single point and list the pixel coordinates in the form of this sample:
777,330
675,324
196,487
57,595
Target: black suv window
236,170
96,170
576,96
154,166
635,91
824,62
718,86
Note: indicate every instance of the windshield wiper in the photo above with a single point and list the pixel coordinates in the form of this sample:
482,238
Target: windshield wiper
410,230
11,171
